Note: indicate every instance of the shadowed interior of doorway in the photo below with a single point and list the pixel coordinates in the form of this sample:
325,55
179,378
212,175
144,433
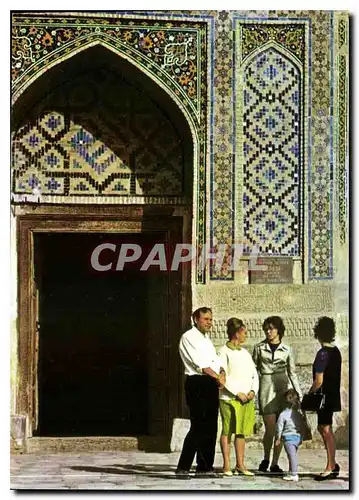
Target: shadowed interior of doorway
75,384
93,337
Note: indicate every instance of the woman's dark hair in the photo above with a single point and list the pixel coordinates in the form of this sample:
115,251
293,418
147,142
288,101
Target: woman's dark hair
197,313
291,398
275,321
324,329
233,325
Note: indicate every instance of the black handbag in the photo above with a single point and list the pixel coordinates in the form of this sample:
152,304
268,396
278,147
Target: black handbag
313,402
306,431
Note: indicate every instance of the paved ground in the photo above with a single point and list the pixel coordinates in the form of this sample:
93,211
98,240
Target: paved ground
136,470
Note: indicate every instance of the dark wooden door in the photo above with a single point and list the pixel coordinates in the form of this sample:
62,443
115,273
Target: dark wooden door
94,363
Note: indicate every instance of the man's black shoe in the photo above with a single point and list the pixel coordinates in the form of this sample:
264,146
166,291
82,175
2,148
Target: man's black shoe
182,474
205,473
275,469
263,466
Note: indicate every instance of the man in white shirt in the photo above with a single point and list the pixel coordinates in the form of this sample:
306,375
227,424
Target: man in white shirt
204,375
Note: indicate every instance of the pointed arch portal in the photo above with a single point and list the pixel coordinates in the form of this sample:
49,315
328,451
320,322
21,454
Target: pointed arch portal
171,53
109,141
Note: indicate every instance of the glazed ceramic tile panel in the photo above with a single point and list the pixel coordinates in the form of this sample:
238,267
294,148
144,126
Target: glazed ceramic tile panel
341,121
271,149
318,108
173,51
196,57
104,146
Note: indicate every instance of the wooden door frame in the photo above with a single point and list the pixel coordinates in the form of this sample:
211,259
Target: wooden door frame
109,219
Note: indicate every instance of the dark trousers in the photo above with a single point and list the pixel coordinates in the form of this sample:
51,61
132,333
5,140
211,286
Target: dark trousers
203,401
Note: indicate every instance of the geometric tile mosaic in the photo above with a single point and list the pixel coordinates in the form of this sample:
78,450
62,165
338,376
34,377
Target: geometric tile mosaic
158,42
318,116
320,193
222,204
171,49
319,179
272,154
342,63
61,157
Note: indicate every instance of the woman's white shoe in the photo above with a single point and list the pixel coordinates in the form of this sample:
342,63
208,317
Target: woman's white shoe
243,472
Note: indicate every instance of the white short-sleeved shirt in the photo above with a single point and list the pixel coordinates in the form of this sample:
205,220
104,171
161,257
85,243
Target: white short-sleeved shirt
197,352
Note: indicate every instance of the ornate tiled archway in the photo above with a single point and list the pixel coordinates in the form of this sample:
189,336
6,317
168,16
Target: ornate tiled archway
170,52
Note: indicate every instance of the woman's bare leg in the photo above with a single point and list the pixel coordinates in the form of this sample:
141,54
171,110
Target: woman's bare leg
276,453
269,423
326,432
225,443
239,446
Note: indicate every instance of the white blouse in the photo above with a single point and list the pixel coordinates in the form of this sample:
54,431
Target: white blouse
197,352
241,372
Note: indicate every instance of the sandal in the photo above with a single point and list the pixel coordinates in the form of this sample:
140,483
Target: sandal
243,472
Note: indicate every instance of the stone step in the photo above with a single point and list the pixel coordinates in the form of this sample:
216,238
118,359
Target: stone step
91,444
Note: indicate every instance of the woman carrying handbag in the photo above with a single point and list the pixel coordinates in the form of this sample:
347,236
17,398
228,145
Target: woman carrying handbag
324,395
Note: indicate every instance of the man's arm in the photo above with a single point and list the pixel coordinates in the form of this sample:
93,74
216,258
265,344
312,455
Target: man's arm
193,351
221,376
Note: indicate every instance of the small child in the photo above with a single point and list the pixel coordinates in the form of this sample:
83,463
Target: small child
290,429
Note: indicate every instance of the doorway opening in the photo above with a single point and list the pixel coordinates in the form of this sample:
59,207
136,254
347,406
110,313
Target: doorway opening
95,333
